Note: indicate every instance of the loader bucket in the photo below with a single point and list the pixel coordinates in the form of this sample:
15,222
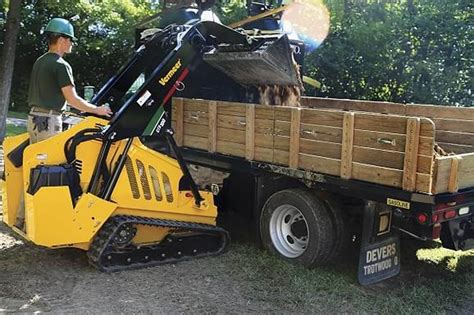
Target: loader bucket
270,62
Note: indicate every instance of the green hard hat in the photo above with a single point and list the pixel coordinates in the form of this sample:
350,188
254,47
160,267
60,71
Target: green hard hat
60,26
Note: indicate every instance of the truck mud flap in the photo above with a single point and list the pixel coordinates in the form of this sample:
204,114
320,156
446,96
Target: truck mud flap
379,257
271,62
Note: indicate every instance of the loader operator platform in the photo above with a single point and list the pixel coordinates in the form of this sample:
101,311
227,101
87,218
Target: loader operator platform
52,85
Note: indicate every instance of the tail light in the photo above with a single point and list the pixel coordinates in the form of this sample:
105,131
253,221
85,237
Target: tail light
421,218
449,214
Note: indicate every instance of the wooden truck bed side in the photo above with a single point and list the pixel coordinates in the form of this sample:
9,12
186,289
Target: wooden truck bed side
454,133
350,140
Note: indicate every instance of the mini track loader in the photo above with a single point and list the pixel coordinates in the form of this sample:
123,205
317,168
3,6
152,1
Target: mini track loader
98,188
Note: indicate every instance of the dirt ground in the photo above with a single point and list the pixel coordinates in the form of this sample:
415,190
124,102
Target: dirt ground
35,279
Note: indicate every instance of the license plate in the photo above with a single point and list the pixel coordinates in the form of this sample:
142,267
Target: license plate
379,260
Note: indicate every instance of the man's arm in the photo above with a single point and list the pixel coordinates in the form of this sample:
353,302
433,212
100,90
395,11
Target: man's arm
81,104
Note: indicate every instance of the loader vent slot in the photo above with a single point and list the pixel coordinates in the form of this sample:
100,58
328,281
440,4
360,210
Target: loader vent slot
156,184
78,166
132,179
143,180
167,187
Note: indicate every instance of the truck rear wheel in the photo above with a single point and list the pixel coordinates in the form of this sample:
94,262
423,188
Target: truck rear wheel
295,225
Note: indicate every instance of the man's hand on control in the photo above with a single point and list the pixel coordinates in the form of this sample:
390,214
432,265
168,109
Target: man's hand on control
103,111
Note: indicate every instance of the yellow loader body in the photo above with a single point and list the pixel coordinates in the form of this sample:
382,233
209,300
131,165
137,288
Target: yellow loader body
148,187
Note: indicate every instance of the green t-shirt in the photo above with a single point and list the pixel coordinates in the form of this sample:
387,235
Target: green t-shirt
50,73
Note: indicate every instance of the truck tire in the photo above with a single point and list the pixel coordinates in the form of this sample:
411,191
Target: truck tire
341,234
296,226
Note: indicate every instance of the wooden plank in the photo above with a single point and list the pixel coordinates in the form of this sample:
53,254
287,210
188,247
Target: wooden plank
212,126
283,113
232,108
265,112
347,145
196,117
379,140
231,135
358,105
427,128
390,159
384,158
321,133
281,157
466,171
442,171
423,183
282,143
264,154
264,141
426,146
264,126
320,164
322,117
456,125
295,137
411,154
195,142
320,148
196,130
425,164
453,176
462,138
231,148
381,123
456,148
178,104
231,122
390,141
282,128
449,112
377,174
195,105
250,132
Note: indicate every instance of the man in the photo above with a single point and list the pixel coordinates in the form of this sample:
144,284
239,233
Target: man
52,85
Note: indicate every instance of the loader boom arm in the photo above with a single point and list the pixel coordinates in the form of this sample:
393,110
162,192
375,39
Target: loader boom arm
165,61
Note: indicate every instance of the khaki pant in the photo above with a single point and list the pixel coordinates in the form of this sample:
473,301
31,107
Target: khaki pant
52,126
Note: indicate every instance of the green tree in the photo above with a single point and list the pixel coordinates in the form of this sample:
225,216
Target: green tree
105,32
408,51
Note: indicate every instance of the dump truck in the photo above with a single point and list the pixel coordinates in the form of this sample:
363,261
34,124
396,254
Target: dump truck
305,177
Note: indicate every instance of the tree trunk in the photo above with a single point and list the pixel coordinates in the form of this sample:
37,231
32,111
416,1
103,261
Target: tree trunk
7,61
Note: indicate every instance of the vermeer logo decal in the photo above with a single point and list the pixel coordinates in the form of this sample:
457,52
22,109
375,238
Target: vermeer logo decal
170,74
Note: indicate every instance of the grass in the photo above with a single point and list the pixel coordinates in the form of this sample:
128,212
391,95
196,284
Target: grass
13,130
433,280
20,115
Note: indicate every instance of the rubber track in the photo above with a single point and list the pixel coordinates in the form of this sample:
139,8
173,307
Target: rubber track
102,247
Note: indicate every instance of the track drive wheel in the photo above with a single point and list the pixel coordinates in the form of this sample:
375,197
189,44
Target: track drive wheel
296,225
